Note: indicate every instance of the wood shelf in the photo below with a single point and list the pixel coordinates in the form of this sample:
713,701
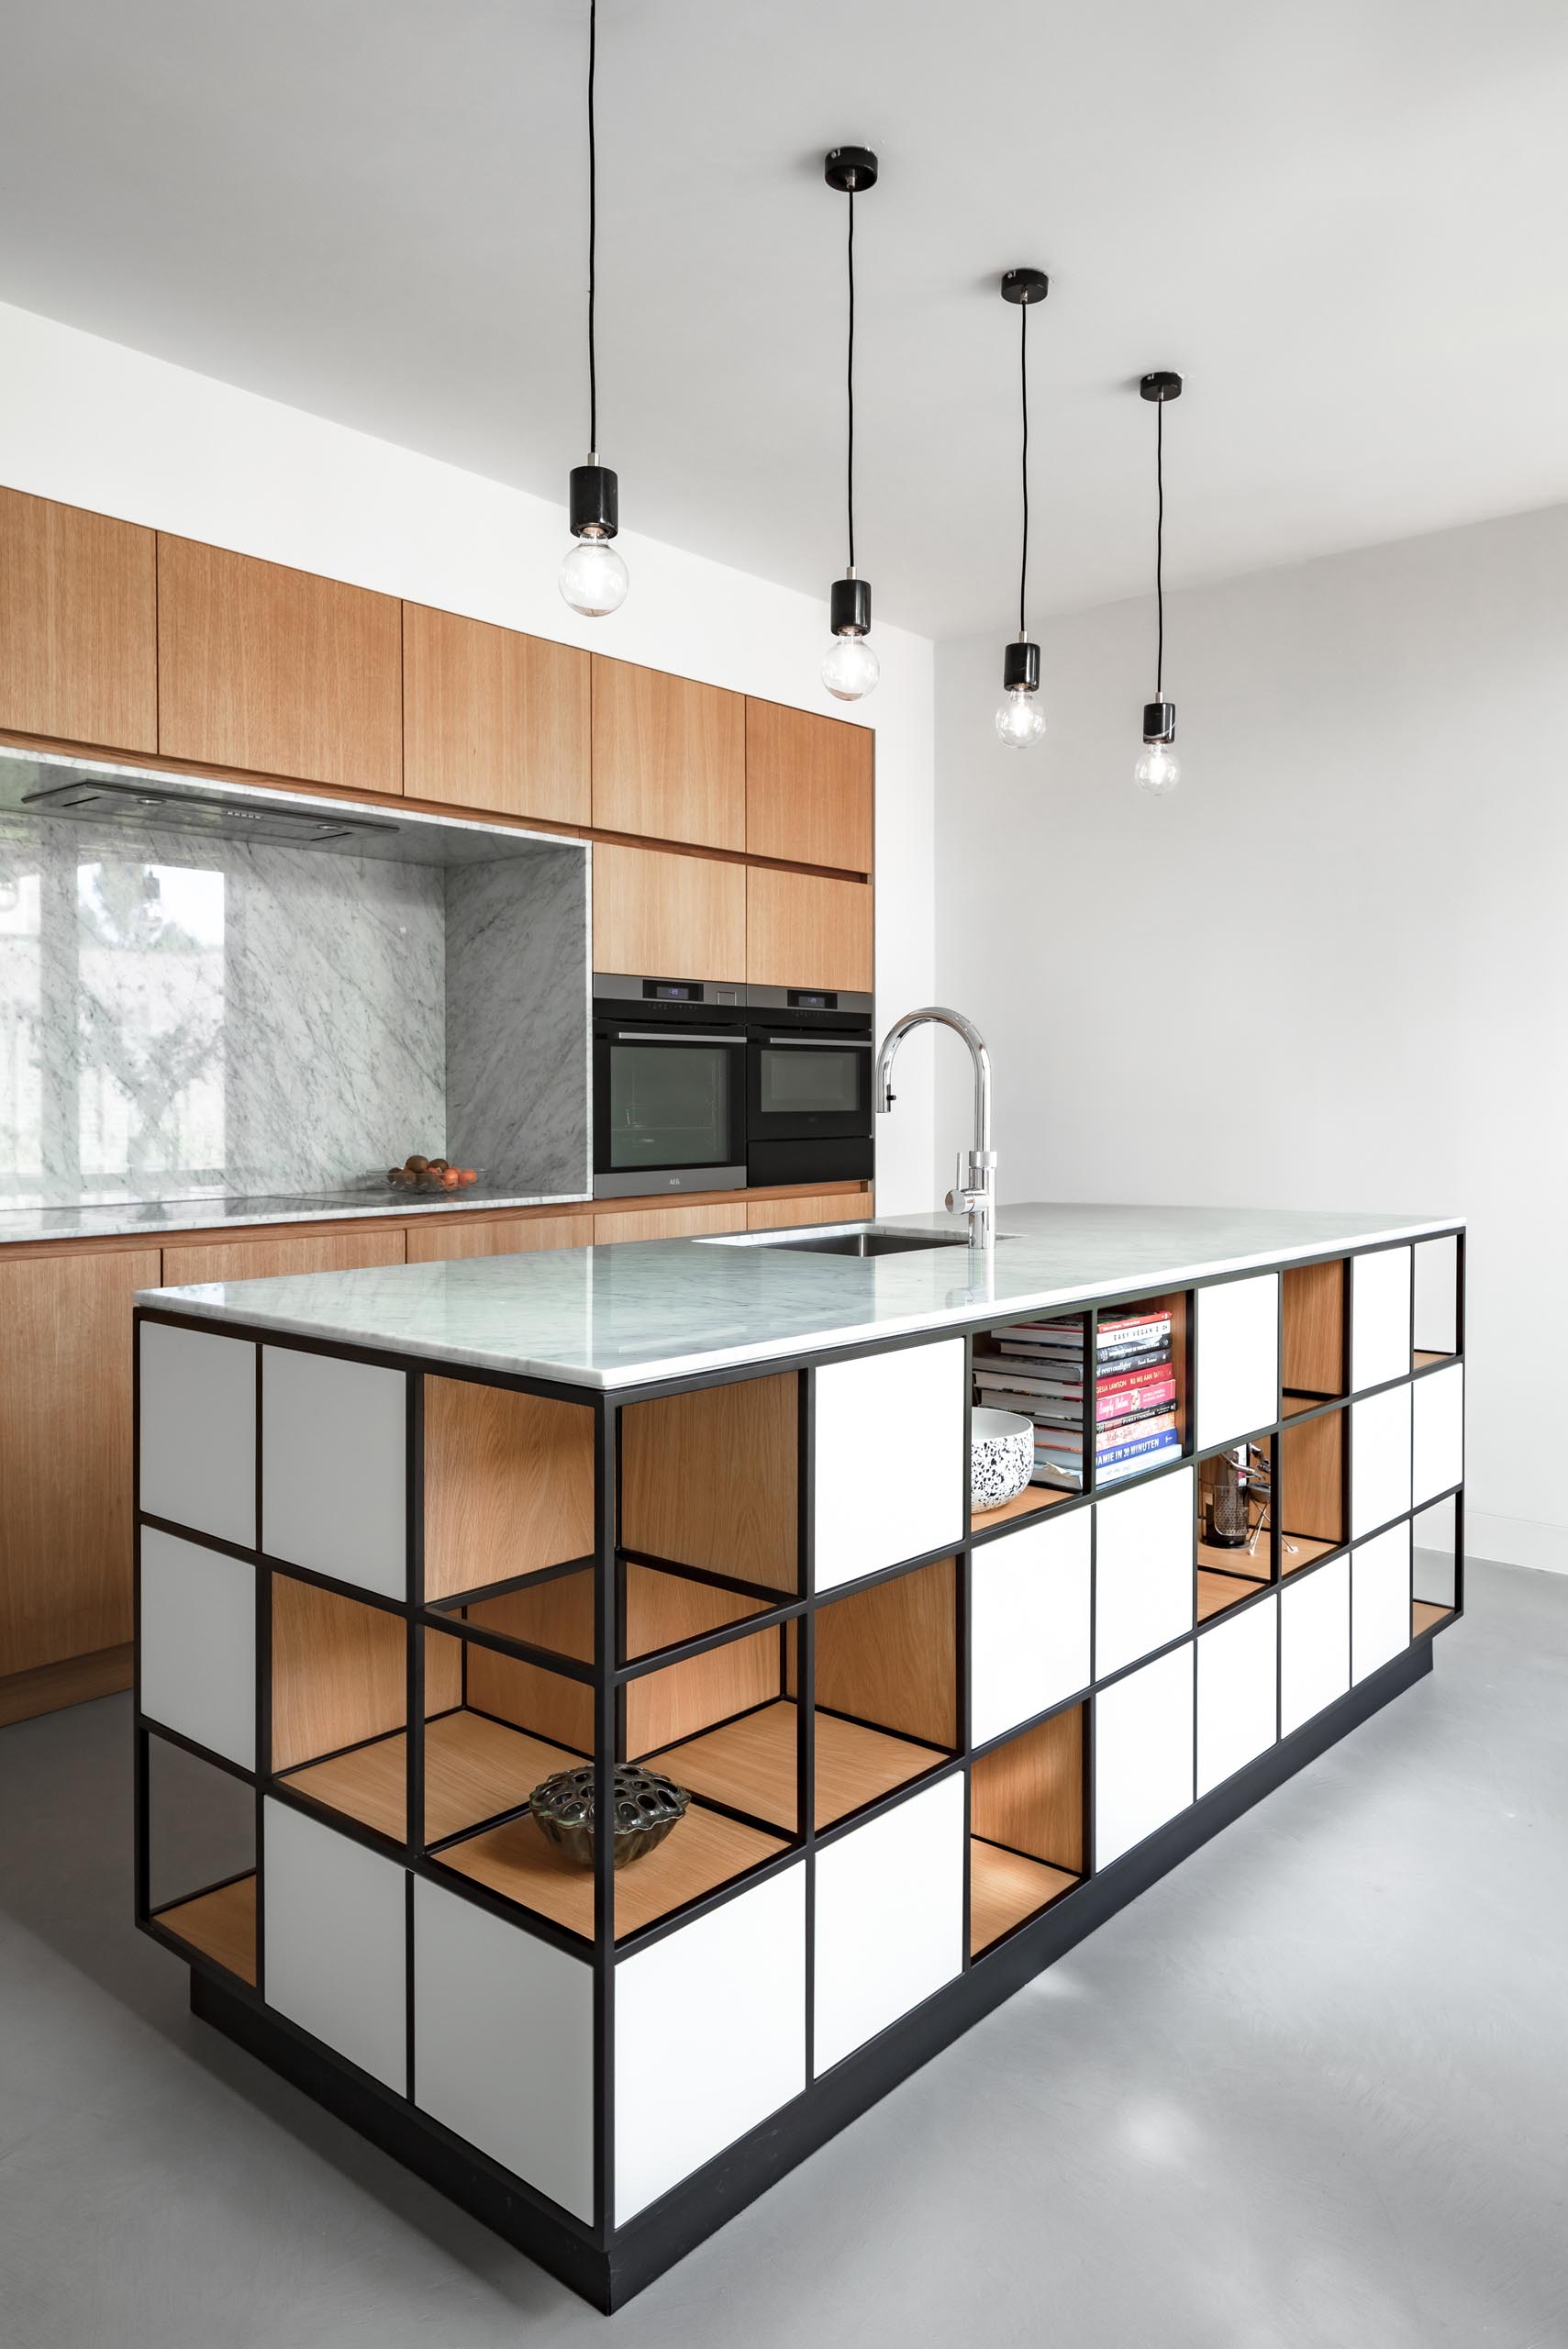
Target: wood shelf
1252,1564
1215,1592
1005,1887
750,1764
474,1767
1420,1361
1290,1405
221,1925
1298,1550
1029,1503
1426,1617
702,1851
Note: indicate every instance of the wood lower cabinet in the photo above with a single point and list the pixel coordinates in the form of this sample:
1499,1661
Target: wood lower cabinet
810,786
78,625
805,931
434,1243
495,720
668,1223
668,757
672,916
826,1206
257,1260
276,670
65,1454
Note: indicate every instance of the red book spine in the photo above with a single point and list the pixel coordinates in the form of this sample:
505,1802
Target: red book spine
1138,1398
1118,1381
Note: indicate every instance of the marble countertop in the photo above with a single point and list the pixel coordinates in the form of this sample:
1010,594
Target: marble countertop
612,1317
232,1211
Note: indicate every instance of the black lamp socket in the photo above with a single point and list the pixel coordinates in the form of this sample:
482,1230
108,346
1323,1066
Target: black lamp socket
1020,666
1159,721
594,502
849,607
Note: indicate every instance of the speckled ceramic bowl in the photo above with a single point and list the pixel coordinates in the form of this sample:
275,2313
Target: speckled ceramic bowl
647,1806
1001,1456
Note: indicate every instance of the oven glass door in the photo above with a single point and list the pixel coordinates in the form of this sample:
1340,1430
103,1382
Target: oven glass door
668,1099
802,1086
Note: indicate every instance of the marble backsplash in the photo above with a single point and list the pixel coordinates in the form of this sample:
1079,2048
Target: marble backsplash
183,1017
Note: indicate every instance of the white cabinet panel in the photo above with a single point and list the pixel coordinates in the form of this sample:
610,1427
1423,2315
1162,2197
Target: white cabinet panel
1143,1752
503,2044
891,1475
1143,1569
1437,1403
1380,1460
1029,1629
334,1468
198,1431
1380,1318
334,1946
1238,1692
1237,1359
198,1644
1379,1600
711,2037
889,1918
1315,1642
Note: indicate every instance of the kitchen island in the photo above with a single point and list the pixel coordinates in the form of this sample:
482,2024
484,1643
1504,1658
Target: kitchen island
412,1539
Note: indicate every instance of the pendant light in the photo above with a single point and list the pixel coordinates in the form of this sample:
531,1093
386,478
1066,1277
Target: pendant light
849,667
1159,770
1021,719
593,576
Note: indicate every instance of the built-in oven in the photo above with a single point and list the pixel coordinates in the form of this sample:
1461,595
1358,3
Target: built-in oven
808,1080
669,1085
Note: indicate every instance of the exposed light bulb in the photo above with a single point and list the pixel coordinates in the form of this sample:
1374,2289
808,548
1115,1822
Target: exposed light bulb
1020,718
594,578
849,668
1158,770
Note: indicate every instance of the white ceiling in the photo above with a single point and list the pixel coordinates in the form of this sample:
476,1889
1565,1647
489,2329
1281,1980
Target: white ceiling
1346,223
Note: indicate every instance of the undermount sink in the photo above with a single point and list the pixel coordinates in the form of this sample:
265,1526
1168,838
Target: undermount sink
870,1243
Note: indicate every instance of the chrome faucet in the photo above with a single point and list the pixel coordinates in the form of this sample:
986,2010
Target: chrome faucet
978,1195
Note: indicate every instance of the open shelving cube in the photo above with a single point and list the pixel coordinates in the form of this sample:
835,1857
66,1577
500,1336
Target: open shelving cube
201,1856
1027,1825
1313,1362
1232,1500
1312,1508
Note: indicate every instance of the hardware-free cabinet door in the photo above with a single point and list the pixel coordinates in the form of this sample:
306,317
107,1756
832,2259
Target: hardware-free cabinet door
258,1259
1238,1358
1028,1632
666,1223
1315,1642
1238,1691
889,1921
1380,1317
277,670
1144,1570
889,1459
1144,1751
669,758
804,931
336,1940
78,628
495,720
823,1207
65,1452
1437,1405
672,916
810,784
1379,1600
443,1237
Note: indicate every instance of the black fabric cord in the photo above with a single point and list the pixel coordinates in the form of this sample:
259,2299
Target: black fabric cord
593,229
850,473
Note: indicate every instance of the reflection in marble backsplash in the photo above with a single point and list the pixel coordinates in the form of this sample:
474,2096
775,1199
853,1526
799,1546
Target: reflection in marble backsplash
182,1016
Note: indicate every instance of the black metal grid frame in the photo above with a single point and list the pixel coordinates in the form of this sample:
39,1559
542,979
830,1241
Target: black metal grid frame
651,2242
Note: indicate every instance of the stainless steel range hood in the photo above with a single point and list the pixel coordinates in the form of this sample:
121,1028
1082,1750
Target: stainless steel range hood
254,820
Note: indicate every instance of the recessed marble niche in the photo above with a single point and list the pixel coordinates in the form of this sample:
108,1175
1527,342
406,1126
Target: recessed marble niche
184,1016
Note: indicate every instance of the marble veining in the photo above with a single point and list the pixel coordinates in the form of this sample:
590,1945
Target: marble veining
188,1019
610,1316
517,1019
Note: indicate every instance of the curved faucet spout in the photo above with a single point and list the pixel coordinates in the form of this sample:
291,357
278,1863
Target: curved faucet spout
978,1193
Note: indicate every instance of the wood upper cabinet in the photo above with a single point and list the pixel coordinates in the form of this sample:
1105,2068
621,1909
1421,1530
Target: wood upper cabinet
668,757
256,1260
804,931
810,784
495,720
672,917
277,671
65,1452
78,625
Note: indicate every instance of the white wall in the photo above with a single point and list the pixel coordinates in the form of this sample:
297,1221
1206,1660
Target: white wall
97,424
1332,969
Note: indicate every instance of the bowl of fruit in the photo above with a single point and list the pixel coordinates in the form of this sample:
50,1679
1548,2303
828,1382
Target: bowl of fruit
421,1173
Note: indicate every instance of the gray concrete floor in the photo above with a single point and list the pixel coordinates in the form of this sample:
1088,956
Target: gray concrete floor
1310,2092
